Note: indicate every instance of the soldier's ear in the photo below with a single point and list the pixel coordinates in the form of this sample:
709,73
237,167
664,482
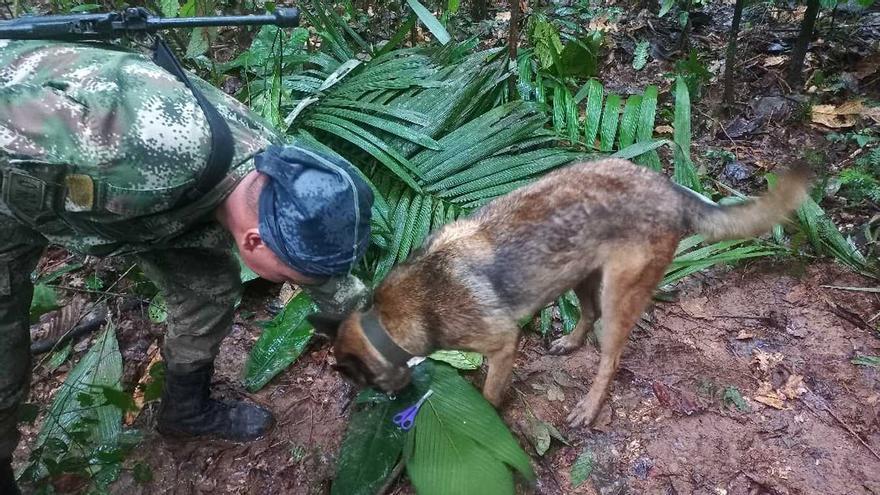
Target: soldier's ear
325,326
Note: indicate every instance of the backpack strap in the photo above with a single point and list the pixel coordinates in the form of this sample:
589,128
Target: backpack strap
222,148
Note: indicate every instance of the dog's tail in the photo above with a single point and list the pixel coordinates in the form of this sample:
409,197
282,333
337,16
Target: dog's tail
752,217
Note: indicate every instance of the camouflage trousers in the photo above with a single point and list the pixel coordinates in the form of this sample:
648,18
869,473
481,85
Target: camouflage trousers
200,286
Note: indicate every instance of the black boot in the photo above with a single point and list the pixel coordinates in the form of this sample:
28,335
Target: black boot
188,410
7,478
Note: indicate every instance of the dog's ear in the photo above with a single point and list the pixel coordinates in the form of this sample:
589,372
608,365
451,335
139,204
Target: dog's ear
325,326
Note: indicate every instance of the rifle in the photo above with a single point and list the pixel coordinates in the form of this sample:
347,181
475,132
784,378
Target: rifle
109,25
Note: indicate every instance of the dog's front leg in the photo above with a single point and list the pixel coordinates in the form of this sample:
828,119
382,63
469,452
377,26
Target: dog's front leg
500,368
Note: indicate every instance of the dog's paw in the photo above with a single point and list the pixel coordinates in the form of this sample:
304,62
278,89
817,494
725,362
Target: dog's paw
583,414
564,345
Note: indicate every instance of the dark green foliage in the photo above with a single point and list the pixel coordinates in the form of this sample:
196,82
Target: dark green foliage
694,73
281,342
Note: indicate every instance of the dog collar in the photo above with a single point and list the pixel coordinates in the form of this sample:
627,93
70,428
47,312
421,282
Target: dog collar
379,338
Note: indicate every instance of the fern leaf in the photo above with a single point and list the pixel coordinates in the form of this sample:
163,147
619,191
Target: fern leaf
645,129
630,120
640,55
594,112
609,123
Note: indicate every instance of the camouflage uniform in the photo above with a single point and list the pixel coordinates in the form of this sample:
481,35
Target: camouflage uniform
96,147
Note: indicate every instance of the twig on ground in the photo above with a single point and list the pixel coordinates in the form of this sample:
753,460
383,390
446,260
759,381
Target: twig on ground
392,478
88,310
101,292
842,423
721,126
853,289
848,315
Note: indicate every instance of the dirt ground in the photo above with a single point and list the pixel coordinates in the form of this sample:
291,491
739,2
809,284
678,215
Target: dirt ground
667,428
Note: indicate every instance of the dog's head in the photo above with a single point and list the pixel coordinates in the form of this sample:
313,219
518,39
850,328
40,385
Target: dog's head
357,359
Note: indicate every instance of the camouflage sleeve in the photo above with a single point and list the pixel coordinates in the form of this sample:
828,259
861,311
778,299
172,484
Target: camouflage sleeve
338,296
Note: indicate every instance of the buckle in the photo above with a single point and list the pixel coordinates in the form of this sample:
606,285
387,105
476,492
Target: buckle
80,194
25,196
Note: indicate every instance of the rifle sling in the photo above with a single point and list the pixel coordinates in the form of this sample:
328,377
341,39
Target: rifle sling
222,148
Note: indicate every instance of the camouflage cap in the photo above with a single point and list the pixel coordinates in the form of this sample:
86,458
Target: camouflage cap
314,210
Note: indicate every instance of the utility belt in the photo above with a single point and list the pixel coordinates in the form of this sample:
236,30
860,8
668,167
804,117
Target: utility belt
48,188
55,202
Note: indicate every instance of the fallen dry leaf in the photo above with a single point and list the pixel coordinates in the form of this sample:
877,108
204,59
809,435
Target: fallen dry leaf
554,392
769,397
844,115
138,394
287,293
774,60
766,361
826,115
602,24
676,400
868,66
794,387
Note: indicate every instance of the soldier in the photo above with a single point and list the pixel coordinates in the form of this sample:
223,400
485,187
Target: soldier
100,149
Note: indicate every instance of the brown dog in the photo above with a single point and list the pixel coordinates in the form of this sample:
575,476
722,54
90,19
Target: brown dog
608,223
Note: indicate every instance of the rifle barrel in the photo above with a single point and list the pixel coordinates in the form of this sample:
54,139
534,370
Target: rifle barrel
102,26
283,17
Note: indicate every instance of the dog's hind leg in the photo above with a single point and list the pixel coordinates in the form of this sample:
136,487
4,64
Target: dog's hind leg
629,281
501,359
588,294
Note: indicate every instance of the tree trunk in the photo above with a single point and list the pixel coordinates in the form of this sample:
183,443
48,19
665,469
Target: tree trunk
513,43
480,10
799,52
730,61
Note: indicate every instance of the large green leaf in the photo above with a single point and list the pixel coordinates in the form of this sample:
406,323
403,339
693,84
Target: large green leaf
429,21
645,129
595,92
690,259
609,123
630,121
569,311
459,444
264,50
281,342
559,111
246,273
827,239
371,448
169,8
449,464
685,173
80,419
459,359
545,37
44,300
637,149
373,442
580,56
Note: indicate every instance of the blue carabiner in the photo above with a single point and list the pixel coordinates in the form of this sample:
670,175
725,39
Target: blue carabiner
406,418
